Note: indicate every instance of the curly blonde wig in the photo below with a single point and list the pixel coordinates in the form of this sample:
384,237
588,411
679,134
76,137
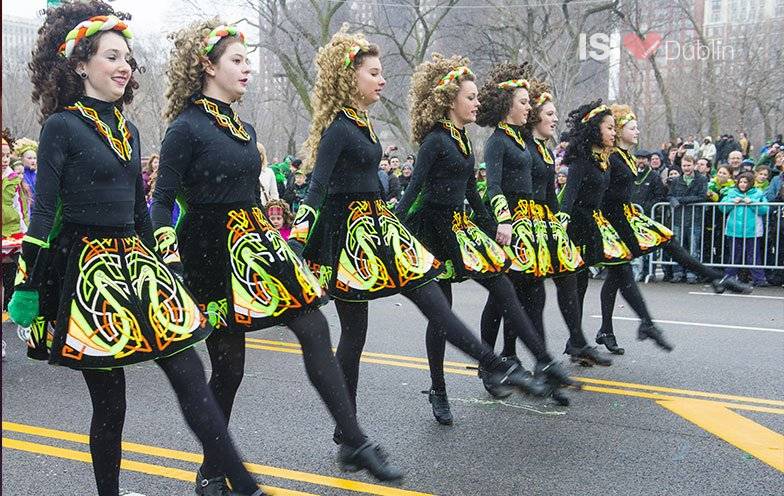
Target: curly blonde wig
535,89
496,101
336,85
262,154
429,102
186,63
23,145
621,114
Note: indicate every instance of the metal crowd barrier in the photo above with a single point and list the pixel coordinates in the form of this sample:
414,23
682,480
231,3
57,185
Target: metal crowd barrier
700,228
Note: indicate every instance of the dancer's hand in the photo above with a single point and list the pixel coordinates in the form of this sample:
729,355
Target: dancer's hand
504,234
23,308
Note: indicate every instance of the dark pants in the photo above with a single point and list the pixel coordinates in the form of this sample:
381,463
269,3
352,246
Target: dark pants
746,251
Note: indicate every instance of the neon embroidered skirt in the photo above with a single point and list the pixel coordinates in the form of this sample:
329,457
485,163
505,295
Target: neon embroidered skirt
109,302
467,251
597,238
241,271
540,246
361,251
638,231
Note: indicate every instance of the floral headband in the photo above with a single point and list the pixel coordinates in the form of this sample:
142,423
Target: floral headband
274,210
351,54
625,119
598,110
91,26
455,74
513,84
543,98
219,33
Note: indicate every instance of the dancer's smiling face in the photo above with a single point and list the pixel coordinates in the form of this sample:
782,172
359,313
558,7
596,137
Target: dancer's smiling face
108,70
548,120
607,129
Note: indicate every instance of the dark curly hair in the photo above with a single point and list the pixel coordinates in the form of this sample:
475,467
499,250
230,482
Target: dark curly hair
8,138
496,102
535,90
54,78
583,136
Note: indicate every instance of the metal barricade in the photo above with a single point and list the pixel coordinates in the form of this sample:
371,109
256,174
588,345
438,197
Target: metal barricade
753,240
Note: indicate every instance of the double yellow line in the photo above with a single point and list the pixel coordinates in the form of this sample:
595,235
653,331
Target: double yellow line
181,456
630,389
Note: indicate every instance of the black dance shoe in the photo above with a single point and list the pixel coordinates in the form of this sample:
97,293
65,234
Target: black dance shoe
212,487
495,391
731,283
608,340
440,404
553,374
646,331
371,457
509,374
587,356
559,397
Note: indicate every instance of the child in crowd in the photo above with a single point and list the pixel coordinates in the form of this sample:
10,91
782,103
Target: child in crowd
280,216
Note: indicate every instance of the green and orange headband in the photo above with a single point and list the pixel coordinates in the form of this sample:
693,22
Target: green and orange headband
625,119
454,75
92,26
542,99
513,84
593,113
219,33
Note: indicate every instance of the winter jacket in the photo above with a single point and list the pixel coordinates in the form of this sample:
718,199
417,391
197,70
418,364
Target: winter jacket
682,194
742,218
773,190
648,190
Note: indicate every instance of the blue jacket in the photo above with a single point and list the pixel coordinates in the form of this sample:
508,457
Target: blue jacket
742,218
773,190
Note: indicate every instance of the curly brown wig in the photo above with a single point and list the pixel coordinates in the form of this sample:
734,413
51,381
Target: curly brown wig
535,89
8,138
186,70
429,101
55,81
496,102
583,136
336,85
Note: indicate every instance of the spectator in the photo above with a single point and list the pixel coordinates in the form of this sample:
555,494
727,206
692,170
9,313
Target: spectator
670,159
728,146
648,189
708,151
762,178
410,161
405,176
560,183
776,182
744,227
691,147
768,156
394,166
745,145
150,166
15,218
775,250
297,191
720,184
280,216
27,151
747,165
389,181
734,160
383,177
704,167
685,190
269,186
481,181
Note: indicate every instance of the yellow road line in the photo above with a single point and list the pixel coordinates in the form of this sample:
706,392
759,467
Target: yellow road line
281,473
745,434
460,368
131,465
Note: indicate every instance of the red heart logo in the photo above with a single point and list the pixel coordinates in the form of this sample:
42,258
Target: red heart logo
642,48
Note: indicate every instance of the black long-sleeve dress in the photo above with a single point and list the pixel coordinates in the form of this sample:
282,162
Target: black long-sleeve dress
90,250
356,245
242,272
638,231
433,207
599,242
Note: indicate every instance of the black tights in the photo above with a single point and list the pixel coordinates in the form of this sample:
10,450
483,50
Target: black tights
531,293
9,274
227,353
611,286
432,303
621,277
503,294
186,375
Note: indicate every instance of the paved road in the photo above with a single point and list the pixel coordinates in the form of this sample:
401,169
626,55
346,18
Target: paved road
705,419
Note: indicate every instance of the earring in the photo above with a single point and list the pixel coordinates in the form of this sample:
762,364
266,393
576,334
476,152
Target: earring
83,75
